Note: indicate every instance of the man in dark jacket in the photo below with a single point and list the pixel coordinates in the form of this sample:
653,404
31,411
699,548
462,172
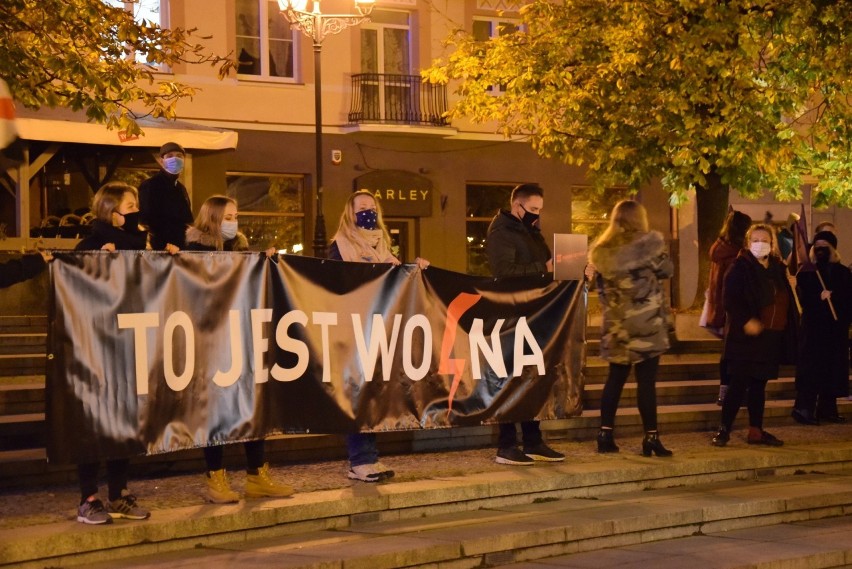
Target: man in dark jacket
514,246
164,202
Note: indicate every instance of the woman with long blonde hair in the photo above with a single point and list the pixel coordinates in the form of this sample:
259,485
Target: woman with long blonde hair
630,261
363,238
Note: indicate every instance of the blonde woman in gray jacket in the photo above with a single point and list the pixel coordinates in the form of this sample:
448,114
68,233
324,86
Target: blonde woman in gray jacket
630,261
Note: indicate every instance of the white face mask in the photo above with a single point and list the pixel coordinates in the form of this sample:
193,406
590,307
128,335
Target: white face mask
760,249
229,229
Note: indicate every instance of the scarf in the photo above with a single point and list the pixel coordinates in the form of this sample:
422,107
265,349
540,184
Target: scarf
370,247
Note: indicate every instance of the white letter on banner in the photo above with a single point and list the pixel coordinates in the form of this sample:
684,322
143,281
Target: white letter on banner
416,373
325,319
139,321
378,340
228,378
178,319
523,332
260,345
493,354
292,345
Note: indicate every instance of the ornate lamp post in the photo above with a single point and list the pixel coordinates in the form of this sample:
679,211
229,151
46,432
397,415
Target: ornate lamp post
318,26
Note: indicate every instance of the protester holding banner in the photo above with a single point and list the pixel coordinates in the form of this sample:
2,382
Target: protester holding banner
164,201
363,238
758,301
216,229
630,261
723,253
116,227
825,294
515,246
25,268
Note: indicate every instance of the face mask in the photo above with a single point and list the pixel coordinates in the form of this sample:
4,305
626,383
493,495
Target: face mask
822,254
229,229
760,249
530,219
367,219
173,164
131,221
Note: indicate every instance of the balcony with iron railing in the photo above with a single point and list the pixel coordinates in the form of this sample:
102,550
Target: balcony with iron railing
385,98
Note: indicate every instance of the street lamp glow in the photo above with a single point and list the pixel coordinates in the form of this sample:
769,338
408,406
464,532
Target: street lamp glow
318,26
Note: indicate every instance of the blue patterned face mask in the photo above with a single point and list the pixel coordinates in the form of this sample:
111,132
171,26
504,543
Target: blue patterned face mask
367,219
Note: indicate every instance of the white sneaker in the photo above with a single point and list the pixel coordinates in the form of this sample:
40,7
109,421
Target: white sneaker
365,473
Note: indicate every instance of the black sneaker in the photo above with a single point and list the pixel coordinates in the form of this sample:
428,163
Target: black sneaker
92,512
721,439
126,507
513,456
543,453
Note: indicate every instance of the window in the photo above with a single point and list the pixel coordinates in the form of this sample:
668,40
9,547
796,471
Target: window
272,209
386,61
265,43
483,203
154,11
487,28
590,208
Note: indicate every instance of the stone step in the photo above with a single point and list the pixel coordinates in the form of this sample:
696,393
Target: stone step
19,398
473,520
22,466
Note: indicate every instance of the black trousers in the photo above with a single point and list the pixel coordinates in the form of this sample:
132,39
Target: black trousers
646,383
214,455
531,434
753,390
116,478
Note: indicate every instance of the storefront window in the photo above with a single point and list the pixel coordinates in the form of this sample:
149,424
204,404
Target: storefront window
590,208
483,203
272,210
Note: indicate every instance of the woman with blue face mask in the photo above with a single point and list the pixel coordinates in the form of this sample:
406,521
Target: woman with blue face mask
363,238
216,229
758,301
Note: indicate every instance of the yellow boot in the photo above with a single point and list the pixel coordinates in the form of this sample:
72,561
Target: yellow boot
261,485
218,489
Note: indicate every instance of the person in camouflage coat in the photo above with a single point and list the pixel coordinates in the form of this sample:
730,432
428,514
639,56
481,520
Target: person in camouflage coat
630,261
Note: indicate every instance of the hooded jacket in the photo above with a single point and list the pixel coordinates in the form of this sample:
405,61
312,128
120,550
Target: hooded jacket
722,257
636,315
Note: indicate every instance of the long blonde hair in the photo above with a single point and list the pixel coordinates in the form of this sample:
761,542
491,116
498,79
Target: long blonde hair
209,220
349,230
628,216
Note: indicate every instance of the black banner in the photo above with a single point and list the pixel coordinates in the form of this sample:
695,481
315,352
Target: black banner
149,353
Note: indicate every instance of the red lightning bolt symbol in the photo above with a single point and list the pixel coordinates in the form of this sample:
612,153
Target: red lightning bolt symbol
454,366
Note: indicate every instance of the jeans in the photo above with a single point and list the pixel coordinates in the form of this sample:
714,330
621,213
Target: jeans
362,449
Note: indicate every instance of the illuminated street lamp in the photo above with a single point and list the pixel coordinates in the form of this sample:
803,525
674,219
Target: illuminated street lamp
318,26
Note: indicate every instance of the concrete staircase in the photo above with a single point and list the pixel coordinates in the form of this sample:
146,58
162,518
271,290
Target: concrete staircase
488,519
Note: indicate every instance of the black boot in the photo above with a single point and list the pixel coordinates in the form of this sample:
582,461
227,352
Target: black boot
606,442
652,445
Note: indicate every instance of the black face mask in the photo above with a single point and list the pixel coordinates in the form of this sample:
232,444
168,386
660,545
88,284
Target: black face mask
822,255
131,221
530,219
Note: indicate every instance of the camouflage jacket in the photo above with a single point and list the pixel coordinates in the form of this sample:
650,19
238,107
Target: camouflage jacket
636,313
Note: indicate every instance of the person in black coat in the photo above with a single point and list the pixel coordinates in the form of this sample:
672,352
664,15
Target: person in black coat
825,293
164,202
758,301
515,246
25,268
115,228
216,229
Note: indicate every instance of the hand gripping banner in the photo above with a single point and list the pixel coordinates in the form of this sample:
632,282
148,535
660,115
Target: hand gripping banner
149,353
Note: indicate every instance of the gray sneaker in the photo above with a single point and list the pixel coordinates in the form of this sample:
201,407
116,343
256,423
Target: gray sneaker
126,507
92,512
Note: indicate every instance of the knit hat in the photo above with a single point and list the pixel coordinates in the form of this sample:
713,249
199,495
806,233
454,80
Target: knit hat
171,147
826,236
